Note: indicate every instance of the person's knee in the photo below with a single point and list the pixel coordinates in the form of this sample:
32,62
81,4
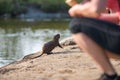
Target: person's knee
80,35
81,38
74,26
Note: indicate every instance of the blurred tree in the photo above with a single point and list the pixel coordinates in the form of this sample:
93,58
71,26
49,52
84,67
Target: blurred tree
16,3
17,8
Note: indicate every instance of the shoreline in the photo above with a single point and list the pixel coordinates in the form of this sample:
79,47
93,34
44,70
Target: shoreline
69,63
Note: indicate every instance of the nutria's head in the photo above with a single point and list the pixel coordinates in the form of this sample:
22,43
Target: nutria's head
57,36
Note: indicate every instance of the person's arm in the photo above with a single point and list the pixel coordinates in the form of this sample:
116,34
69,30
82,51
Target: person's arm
112,17
92,8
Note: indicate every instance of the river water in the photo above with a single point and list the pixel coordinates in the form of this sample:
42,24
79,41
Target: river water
20,38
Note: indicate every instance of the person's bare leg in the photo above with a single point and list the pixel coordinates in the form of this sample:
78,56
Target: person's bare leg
112,55
95,51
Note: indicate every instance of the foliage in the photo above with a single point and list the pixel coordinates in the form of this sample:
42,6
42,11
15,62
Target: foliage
50,6
8,7
5,7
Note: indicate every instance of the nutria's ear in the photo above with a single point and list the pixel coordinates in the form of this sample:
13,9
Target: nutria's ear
57,35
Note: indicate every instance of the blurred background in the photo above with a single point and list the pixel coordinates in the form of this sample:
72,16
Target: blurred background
37,9
25,25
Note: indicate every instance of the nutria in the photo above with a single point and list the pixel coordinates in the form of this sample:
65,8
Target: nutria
49,46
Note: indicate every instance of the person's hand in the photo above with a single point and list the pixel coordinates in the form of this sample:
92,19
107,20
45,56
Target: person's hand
71,2
86,10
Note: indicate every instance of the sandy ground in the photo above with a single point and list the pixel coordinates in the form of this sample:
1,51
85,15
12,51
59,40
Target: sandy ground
65,64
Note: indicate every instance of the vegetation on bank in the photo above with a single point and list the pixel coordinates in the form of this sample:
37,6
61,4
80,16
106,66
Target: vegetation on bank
16,23
16,7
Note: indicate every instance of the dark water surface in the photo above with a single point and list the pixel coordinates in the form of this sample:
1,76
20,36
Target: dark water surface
19,38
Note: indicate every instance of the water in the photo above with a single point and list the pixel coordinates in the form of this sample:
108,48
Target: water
20,38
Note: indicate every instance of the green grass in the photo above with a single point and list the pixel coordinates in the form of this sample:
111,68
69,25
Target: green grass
61,24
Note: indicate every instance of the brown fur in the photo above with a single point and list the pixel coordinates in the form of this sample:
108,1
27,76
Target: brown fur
49,46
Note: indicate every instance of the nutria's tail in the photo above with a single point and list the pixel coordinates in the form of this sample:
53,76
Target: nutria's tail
39,55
